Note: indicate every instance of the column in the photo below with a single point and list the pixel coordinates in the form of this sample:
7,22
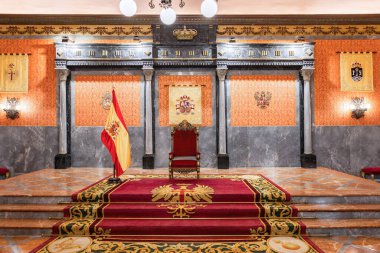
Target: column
223,159
63,159
148,159
308,160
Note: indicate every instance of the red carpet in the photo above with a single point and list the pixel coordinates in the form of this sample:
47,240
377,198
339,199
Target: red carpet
153,208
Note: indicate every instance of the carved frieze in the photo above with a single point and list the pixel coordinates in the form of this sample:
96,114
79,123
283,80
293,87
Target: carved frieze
298,30
97,30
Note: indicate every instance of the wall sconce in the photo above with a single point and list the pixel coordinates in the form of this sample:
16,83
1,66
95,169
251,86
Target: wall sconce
358,107
12,108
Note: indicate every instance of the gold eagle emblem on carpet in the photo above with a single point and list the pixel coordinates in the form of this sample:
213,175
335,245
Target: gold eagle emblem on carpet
183,199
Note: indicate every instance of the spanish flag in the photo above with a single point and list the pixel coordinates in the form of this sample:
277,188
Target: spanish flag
116,138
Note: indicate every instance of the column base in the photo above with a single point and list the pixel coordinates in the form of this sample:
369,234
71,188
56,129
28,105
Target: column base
223,162
62,161
148,162
308,161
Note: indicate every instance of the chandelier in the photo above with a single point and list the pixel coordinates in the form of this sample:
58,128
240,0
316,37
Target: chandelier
168,16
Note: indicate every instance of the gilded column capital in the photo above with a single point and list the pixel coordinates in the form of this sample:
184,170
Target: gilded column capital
307,74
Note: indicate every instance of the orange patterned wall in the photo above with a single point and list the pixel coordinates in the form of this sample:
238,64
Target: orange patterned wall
332,106
89,91
163,96
38,105
281,110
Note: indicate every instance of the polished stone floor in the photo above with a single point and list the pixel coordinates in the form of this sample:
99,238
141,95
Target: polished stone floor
297,181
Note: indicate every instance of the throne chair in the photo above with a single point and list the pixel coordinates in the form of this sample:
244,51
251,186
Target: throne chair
184,156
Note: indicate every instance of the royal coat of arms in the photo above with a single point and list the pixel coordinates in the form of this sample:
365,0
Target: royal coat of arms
113,129
185,105
356,72
263,98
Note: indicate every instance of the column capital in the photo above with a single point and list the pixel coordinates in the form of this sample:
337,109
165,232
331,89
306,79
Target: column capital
222,72
148,73
63,74
307,73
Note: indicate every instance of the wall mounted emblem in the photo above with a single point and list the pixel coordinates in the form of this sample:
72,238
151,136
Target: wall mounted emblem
106,101
185,105
263,98
185,34
14,72
356,72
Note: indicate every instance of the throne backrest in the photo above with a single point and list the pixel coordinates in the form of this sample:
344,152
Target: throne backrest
184,139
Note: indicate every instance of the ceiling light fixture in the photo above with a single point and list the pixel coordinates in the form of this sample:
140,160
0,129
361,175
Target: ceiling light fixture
128,7
168,16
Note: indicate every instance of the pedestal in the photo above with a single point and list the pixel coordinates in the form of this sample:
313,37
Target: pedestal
308,161
62,161
223,162
148,162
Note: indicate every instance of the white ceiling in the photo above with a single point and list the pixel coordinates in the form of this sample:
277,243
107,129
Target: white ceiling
226,7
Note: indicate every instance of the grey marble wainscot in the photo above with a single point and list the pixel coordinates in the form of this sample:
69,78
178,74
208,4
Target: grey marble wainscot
347,148
27,149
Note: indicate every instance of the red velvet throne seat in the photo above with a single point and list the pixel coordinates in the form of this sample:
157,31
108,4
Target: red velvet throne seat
184,157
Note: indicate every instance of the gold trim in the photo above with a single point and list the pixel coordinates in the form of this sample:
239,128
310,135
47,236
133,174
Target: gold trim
298,30
97,30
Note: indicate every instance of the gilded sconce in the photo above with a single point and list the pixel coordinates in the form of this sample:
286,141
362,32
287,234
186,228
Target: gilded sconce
358,107
11,108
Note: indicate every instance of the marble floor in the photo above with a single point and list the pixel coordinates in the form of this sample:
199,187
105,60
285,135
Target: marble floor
297,181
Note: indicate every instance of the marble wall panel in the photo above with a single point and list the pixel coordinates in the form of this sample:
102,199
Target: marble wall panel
89,151
347,148
264,146
27,149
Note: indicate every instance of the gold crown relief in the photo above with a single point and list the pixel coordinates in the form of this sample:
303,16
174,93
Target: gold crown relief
185,34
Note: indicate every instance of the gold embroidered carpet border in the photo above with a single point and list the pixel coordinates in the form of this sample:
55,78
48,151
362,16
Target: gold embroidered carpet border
275,244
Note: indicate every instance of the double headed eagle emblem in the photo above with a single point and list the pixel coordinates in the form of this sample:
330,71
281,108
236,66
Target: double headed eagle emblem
182,200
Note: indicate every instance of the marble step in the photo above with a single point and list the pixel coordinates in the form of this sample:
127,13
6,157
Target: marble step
26,226
34,199
314,226
343,226
339,211
334,199
31,211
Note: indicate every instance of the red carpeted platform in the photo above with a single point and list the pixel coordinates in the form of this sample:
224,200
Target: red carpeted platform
214,208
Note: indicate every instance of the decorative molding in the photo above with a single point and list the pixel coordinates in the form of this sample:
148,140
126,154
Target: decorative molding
94,30
185,34
298,30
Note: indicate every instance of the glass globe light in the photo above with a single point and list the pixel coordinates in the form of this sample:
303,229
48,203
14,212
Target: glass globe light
209,8
168,16
128,7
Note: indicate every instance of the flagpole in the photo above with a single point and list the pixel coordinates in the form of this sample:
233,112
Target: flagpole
114,179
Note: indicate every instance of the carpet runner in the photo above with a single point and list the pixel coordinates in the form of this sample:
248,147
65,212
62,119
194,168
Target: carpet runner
217,212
